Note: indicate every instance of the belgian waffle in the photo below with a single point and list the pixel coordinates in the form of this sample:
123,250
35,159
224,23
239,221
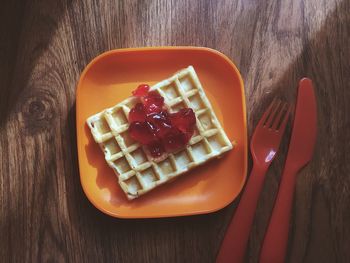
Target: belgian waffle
138,172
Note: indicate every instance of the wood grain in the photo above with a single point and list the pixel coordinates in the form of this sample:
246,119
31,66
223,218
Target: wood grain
44,46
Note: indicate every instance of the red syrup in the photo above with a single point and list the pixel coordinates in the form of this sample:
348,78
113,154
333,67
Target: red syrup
154,127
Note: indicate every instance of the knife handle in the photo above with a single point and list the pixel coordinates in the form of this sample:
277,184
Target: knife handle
237,235
276,238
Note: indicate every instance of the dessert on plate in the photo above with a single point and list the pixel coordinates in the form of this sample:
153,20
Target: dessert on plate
159,133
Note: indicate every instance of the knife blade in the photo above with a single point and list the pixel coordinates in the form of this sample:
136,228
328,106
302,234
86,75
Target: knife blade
301,148
304,131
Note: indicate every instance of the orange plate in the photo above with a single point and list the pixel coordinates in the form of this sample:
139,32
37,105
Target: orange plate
110,78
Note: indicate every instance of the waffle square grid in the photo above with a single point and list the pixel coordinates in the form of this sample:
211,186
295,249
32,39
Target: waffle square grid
138,172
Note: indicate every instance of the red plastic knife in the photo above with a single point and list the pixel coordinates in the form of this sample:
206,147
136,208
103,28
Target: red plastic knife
300,152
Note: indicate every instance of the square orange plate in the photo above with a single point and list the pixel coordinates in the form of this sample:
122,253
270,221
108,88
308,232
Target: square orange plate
110,78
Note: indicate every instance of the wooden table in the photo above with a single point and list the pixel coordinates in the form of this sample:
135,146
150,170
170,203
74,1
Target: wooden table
45,44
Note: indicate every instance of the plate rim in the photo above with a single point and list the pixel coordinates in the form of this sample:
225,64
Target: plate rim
164,48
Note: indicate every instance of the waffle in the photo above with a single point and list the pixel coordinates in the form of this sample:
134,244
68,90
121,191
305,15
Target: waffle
138,172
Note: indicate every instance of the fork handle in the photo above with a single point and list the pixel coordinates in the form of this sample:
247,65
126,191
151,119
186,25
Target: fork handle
235,241
275,242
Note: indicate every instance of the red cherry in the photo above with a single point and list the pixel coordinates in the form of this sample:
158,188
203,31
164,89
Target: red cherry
141,90
161,122
143,132
153,102
152,125
184,120
137,113
174,140
155,148
188,135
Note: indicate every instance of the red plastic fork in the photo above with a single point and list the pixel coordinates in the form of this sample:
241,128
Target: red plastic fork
264,146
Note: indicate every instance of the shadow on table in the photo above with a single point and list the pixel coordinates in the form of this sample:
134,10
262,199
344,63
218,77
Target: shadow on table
27,28
317,210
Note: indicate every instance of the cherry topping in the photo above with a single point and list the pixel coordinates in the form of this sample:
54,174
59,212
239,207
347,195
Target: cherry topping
137,113
153,102
184,120
155,148
155,128
161,122
141,90
174,140
143,132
